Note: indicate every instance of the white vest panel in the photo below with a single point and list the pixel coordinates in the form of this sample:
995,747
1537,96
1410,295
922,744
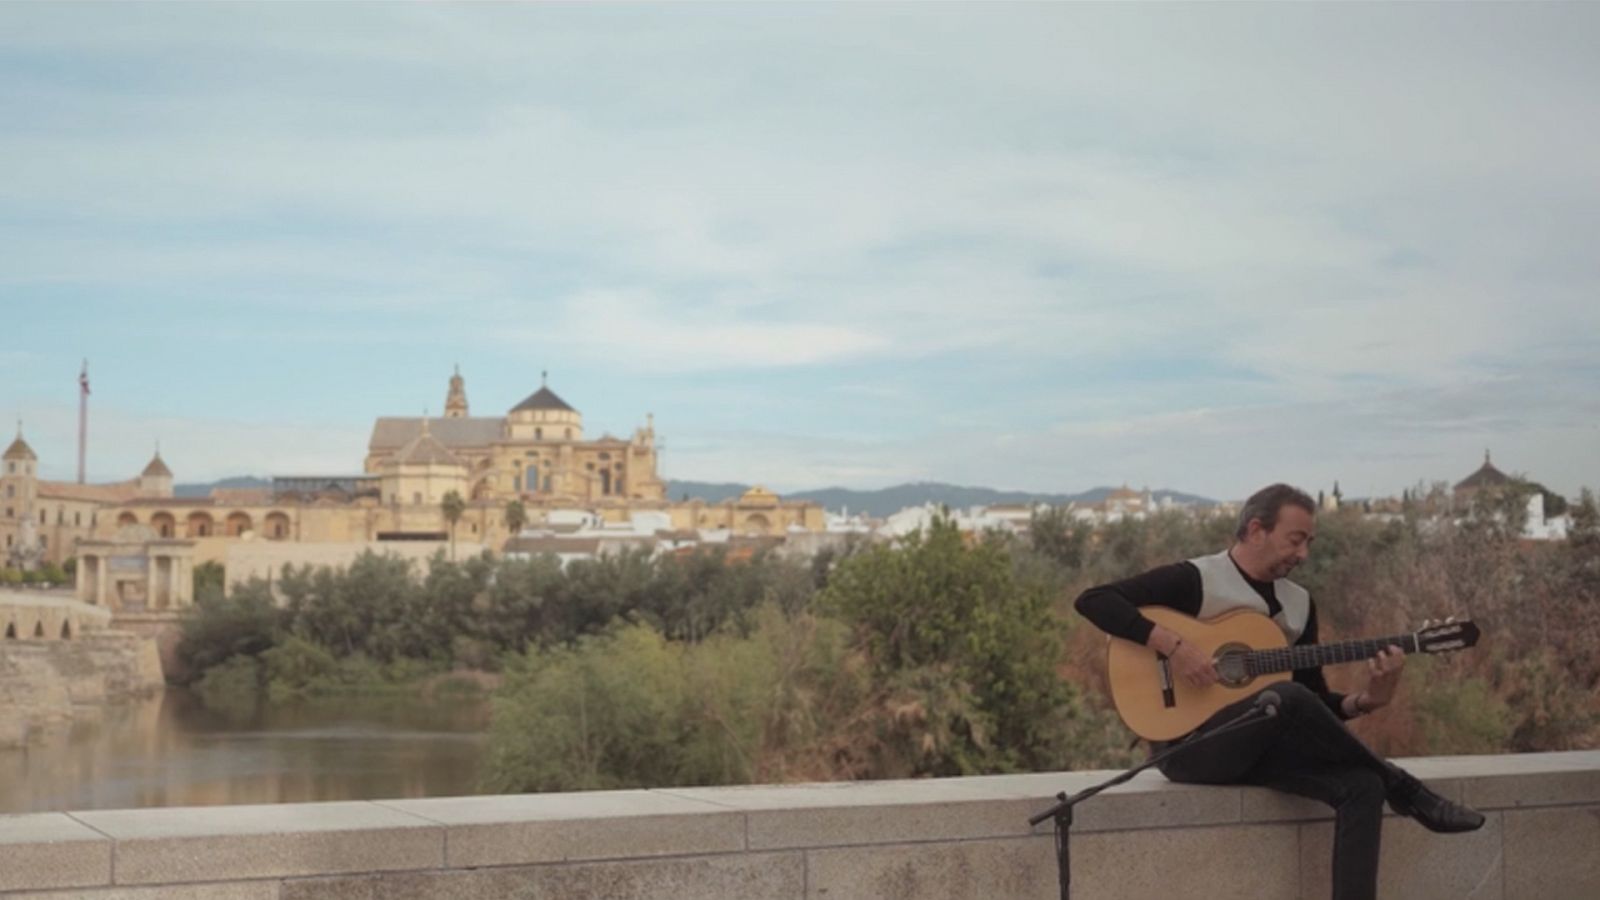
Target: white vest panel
1223,589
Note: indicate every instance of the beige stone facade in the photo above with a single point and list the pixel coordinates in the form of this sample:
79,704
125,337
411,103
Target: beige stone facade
536,454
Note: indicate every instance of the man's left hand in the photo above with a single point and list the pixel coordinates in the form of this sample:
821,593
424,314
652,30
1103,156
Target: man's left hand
1385,677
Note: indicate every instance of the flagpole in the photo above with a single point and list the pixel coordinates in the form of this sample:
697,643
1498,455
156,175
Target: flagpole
83,418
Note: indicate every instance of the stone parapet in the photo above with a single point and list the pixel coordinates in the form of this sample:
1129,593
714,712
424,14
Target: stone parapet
943,839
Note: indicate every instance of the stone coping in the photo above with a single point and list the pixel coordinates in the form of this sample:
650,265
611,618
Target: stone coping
259,844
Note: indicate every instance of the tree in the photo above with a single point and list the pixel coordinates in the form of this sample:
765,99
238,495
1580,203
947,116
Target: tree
209,577
453,506
516,517
1053,533
973,649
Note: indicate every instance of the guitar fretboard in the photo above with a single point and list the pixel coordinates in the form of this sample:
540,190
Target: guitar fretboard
1287,659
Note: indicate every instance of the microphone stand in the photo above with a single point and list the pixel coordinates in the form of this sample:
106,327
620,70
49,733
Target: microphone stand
1062,811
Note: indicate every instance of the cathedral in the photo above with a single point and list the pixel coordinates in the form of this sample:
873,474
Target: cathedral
536,452
535,458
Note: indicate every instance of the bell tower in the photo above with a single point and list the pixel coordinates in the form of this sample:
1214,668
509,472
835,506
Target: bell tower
455,402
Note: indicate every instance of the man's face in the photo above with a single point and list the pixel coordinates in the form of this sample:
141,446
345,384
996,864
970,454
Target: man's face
1288,544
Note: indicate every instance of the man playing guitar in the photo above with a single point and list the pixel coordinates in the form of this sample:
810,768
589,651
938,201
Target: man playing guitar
1306,749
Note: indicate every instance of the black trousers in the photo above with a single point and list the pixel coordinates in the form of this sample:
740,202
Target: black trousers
1305,750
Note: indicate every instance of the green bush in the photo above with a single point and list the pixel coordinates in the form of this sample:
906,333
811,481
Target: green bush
236,682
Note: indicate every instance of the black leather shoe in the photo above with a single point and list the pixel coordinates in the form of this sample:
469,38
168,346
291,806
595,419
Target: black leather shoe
1435,813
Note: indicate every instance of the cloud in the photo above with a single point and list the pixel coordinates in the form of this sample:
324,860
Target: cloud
1140,222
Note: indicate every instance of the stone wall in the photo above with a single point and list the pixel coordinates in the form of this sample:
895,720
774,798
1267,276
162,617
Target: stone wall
947,839
45,684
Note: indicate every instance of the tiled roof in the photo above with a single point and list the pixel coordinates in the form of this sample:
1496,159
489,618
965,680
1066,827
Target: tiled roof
241,496
117,492
390,433
1486,476
156,469
537,545
425,450
19,449
543,398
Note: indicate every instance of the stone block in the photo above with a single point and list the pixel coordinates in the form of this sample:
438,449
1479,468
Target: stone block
1552,853
1415,863
1256,861
51,850
178,845
534,828
1012,868
233,890
1148,801
1552,787
820,815
754,876
1264,805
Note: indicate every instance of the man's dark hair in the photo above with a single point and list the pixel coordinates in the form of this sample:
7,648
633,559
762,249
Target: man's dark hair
1265,504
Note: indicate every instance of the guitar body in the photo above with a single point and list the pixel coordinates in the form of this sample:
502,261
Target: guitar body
1160,710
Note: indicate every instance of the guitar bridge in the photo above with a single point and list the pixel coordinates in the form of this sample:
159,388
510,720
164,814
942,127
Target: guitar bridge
1168,698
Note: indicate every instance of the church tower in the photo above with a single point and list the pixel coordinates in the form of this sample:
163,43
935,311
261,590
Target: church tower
19,488
455,403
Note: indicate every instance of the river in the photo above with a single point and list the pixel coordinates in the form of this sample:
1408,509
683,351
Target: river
173,750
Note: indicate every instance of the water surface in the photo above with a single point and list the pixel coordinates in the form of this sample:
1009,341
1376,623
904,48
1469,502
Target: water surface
173,750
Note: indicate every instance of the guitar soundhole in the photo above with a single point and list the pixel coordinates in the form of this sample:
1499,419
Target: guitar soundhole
1230,662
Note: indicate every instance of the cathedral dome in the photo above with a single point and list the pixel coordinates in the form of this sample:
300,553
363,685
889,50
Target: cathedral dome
543,399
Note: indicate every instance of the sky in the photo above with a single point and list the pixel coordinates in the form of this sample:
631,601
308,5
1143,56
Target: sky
1039,247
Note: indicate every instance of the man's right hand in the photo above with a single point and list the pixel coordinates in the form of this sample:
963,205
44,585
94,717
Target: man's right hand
1188,662
1193,666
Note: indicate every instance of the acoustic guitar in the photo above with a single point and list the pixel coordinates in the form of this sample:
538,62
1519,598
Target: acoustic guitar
1250,653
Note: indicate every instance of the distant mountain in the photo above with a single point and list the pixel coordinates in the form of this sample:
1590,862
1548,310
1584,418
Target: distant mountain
204,490
893,499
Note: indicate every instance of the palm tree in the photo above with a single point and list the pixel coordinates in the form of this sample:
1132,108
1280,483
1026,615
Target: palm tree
516,517
453,507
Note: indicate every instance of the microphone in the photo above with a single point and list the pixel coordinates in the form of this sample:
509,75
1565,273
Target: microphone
1269,702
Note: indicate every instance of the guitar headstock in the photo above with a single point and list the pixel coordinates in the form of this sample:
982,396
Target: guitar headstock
1446,636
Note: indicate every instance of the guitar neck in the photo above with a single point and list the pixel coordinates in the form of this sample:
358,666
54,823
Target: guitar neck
1310,656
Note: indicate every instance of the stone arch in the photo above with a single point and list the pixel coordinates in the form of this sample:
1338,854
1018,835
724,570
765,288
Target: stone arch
238,523
164,524
201,524
276,526
66,630
756,523
11,631
126,518
38,629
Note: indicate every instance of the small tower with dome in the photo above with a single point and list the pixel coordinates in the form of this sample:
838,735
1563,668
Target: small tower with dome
455,402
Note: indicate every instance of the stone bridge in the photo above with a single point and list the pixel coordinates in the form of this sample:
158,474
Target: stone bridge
946,839
28,616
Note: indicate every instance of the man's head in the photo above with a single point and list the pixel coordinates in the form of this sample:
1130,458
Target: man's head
1276,528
